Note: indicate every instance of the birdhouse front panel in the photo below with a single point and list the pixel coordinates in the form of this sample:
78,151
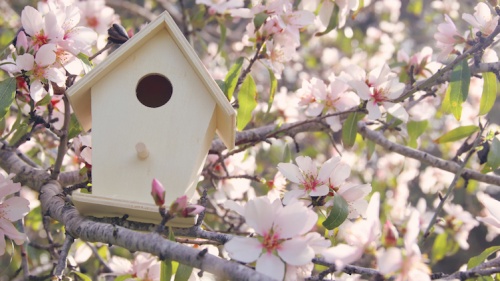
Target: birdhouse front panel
152,118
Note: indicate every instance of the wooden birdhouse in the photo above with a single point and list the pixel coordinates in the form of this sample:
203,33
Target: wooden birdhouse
154,111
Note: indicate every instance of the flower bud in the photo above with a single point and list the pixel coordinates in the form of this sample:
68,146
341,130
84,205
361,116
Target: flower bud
158,192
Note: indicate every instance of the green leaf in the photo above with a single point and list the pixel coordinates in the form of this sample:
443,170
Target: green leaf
166,270
20,132
287,154
439,247
272,89
247,100
457,134
171,234
446,104
123,277
86,63
477,260
223,33
494,154
82,276
415,7
183,272
338,213
350,128
7,95
232,78
334,21
74,127
259,19
459,83
221,84
415,129
489,93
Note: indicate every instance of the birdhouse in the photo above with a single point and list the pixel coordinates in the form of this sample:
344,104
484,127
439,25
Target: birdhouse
154,110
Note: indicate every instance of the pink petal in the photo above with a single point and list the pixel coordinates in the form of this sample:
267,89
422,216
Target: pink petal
7,187
390,260
14,208
296,252
327,168
340,174
259,214
373,110
243,249
55,75
361,89
32,20
285,223
271,266
491,204
321,190
342,254
25,62
291,172
293,194
37,92
307,165
352,193
10,231
53,30
46,55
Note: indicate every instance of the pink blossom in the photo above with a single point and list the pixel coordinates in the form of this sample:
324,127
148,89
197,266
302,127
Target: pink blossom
305,173
379,87
144,267
183,208
492,218
11,209
280,239
359,236
447,37
76,39
221,6
83,148
158,192
96,15
42,29
459,222
482,19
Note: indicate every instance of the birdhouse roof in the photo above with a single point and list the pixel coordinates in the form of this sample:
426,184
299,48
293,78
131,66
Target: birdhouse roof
80,97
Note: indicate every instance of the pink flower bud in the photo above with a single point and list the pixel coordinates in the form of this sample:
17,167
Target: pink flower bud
158,192
192,210
22,42
182,207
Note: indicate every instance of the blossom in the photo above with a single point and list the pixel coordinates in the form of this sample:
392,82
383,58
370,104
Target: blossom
76,39
447,37
458,221
42,29
359,236
40,70
158,192
492,218
145,267
305,173
96,15
279,240
220,6
405,264
379,87
482,19
183,208
11,210
83,148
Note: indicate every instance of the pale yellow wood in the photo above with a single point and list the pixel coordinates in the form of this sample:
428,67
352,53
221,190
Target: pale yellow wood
79,93
100,206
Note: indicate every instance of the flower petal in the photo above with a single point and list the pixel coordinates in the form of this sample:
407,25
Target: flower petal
10,231
290,171
243,249
46,55
7,187
271,265
14,208
259,214
32,20
285,222
296,252
321,190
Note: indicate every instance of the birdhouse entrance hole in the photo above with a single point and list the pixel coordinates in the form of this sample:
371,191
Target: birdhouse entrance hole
154,90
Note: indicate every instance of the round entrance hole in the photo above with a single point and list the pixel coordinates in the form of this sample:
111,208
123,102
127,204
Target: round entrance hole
154,90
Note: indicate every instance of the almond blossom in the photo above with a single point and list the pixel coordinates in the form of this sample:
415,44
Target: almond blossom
378,87
144,267
279,240
482,20
360,236
41,29
221,6
407,263
305,173
492,218
447,37
11,209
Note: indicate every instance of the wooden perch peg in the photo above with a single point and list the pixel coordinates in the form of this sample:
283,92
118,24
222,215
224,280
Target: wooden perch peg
142,150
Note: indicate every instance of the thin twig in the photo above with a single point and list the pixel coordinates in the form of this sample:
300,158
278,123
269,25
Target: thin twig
63,143
63,255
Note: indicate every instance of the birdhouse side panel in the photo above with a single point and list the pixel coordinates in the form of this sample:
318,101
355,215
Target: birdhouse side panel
176,134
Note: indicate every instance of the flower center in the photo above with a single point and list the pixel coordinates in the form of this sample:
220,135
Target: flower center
310,183
92,22
378,95
40,39
271,242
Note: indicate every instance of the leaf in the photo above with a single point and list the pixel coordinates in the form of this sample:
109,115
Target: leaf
439,247
183,272
86,63
457,134
259,19
166,270
7,95
459,83
338,213
82,276
272,89
350,128
494,154
477,260
223,33
247,102
74,127
232,78
123,277
20,132
489,93
415,129
334,21
446,104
